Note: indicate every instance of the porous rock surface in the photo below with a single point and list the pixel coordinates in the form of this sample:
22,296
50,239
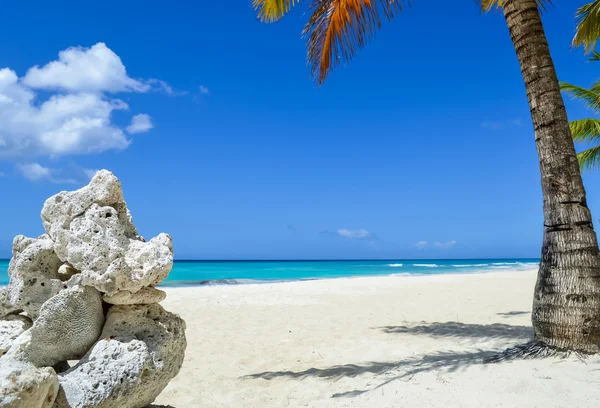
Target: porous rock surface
52,309
68,325
22,385
33,272
93,231
127,367
11,327
144,296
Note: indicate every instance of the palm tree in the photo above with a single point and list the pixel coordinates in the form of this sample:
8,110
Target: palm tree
588,26
566,303
586,130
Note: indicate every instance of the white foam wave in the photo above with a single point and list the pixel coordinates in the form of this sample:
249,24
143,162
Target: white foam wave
427,265
395,265
469,265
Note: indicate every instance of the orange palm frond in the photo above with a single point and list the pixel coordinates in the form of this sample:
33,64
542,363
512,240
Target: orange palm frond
338,28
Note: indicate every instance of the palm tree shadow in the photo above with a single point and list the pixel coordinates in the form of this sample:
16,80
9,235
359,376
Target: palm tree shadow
513,313
405,369
457,329
400,370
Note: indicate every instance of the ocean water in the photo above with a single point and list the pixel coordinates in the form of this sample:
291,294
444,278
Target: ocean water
233,272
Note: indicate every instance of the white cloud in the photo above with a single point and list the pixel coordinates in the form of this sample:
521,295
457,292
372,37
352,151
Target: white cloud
89,173
34,171
500,124
422,244
359,233
76,118
444,245
78,69
204,90
37,172
162,86
140,123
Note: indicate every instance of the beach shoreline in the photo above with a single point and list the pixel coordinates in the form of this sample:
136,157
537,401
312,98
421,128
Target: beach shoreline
375,341
210,272
234,281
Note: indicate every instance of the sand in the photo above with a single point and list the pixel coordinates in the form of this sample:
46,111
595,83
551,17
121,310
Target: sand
372,342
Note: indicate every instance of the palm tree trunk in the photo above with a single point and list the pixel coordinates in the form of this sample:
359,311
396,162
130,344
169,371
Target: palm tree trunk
566,303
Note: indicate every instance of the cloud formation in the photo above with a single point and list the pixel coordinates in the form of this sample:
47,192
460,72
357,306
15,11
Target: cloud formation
139,124
203,90
500,124
90,173
37,172
359,233
78,69
422,244
444,245
76,117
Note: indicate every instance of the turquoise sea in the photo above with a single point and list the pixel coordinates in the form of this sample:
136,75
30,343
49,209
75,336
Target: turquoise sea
232,272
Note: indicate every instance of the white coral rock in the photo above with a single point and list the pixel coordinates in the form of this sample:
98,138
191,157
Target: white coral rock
68,325
11,327
22,385
34,278
60,210
92,231
66,271
144,296
141,349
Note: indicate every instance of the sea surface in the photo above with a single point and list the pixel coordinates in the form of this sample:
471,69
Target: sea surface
236,272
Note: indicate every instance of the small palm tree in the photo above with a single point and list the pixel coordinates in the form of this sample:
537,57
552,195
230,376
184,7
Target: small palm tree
567,293
586,130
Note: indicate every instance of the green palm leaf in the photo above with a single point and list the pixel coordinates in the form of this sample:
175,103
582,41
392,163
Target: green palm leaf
588,26
272,10
595,56
590,158
585,130
591,97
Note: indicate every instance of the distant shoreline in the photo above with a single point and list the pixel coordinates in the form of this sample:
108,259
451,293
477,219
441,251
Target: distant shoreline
203,273
345,260
227,282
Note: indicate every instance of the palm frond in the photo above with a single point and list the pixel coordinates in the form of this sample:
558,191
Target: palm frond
585,130
272,10
588,26
488,5
590,158
595,56
338,28
591,97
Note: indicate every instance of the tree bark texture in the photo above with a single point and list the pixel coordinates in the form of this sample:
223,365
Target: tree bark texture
566,303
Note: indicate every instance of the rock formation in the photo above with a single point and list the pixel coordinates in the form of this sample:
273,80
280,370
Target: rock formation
85,290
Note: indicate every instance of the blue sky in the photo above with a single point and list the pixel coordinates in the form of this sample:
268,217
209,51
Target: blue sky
421,147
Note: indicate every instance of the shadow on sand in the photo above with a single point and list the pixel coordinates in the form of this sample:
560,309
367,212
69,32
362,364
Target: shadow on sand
405,369
513,313
456,329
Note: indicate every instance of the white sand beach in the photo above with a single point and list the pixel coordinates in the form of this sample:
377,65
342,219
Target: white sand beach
372,342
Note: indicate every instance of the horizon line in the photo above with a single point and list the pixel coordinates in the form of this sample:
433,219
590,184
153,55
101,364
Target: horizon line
341,259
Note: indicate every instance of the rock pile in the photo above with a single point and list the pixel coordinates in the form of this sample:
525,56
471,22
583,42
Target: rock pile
85,291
